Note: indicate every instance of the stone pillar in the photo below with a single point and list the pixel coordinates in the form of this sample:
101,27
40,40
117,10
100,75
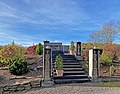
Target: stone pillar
94,64
47,66
78,50
46,44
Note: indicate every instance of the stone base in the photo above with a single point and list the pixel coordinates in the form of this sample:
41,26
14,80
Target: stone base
47,83
95,80
79,58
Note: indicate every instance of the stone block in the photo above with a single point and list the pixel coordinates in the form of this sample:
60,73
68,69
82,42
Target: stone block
35,84
13,88
6,92
20,87
26,83
4,68
27,86
47,83
38,81
1,90
6,88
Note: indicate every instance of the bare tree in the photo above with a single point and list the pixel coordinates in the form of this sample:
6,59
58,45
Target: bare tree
118,30
107,34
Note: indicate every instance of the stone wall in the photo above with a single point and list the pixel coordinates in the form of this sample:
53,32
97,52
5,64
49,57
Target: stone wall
4,68
20,87
109,79
105,71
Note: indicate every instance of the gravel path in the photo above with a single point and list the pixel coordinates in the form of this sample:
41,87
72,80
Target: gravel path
87,88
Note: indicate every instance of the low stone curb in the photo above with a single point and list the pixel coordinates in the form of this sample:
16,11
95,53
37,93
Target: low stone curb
109,79
21,87
4,68
23,77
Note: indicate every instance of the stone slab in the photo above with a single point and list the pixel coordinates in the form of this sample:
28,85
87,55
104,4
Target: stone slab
20,88
27,86
47,83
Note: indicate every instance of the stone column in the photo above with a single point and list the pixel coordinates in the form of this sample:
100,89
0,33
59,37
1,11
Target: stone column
78,50
94,64
46,43
47,66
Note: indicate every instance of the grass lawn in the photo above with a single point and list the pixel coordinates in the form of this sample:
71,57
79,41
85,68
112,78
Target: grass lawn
109,84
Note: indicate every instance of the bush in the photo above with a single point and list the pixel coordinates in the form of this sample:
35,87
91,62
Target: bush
31,50
112,70
39,49
72,47
19,67
10,53
106,58
118,58
58,62
114,49
85,65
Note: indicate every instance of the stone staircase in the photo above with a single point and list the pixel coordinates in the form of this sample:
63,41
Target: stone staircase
73,70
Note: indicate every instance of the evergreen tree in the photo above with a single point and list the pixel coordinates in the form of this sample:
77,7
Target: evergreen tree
39,49
72,47
13,43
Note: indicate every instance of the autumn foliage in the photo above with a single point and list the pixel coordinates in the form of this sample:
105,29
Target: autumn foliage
31,50
85,50
109,50
113,49
11,53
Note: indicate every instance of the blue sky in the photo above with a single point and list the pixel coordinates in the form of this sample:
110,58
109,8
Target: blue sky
32,21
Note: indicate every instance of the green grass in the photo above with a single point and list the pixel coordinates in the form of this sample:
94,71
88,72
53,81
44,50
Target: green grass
109,84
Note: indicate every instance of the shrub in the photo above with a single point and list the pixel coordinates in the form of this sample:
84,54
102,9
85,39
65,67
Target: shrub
106,58
112,70
39,49
58,62
19,67
10,53
72,47
118,58
85,65
31,50
114,49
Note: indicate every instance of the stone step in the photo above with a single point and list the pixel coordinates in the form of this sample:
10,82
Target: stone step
64,56
72,77
60,52
65,59
58,81
65,63
72,63
72,66
73,69
73,73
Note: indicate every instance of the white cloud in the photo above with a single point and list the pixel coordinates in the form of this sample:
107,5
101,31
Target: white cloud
42,14
47,12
